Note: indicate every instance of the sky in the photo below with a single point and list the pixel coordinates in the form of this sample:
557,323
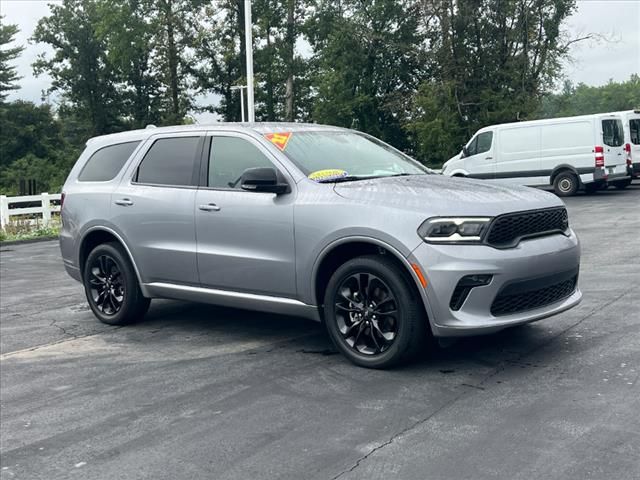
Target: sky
615,55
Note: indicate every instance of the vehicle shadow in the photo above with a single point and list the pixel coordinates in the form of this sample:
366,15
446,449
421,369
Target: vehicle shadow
189,322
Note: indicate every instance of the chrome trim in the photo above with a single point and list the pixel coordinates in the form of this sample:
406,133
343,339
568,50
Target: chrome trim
230,298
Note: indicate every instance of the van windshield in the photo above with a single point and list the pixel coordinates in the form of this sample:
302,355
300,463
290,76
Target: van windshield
612,134
346,155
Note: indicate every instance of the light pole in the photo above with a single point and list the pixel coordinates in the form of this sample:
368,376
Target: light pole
249,50
241,88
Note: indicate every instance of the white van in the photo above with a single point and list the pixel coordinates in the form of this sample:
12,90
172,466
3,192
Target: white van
631,125
569,153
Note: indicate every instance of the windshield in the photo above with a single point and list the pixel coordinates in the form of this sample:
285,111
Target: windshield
349,154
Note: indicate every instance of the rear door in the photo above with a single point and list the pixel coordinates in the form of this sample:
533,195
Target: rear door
153,208
613,141
245,239
478,156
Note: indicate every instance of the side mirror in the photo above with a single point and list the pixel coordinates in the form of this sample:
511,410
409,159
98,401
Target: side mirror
464,153
262,179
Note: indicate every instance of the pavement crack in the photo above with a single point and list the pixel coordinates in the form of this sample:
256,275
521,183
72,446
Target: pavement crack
472,389
399,434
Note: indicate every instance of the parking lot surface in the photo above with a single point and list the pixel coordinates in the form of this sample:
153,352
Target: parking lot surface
199,392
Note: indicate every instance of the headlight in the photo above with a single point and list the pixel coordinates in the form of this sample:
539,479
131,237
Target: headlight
454,230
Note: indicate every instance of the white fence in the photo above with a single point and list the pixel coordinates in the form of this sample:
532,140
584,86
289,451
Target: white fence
45,209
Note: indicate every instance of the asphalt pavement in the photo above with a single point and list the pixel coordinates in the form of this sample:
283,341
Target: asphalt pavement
200,392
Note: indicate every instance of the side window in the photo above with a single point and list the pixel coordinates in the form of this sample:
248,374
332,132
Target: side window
484,142
105,163
612,132
634,130
472,147
170,161
229,158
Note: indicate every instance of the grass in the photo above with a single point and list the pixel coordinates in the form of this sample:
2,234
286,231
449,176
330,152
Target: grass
25,230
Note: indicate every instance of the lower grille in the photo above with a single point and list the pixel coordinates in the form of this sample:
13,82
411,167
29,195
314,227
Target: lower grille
516,298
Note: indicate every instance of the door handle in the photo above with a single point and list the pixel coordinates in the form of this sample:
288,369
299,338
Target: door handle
125,202
210,207
489,158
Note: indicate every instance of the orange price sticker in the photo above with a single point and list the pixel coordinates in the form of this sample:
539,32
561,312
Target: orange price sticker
280,139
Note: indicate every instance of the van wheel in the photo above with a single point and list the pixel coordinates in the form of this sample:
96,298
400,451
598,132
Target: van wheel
373,314
111,286
566,184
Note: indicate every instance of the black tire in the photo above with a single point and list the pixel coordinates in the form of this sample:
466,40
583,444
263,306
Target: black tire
566,184
622,185
111,286
408,324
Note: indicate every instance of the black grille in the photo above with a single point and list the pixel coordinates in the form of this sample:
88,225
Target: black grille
514,300
507,230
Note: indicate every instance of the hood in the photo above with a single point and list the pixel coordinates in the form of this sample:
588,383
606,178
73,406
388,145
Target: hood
441,195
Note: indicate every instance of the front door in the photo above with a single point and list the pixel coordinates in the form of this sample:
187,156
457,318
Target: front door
245,239
479,161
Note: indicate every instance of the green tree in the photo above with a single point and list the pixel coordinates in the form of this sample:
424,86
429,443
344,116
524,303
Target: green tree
584,99
8,74
492,61
368,58
80,67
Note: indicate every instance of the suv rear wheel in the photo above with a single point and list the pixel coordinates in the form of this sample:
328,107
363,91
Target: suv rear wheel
111,286
373,313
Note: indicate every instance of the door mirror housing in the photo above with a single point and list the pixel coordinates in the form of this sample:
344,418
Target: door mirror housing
464,153
262,179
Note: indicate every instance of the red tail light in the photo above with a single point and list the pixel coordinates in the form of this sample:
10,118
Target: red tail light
599,150
627,149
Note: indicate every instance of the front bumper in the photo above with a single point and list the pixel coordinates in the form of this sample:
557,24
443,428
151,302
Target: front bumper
445,265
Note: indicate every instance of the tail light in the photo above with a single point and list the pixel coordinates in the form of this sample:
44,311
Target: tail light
599,150
627,149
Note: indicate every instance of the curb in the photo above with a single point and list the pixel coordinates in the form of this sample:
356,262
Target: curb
27,240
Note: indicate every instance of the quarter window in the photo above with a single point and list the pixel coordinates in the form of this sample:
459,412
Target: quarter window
105,163
612,132
229,158
170,161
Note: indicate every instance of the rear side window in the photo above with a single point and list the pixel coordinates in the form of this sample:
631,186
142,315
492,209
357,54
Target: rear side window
105,163
170,161
612,134
634,130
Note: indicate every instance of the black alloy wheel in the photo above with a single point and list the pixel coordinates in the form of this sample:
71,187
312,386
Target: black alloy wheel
107,286
112,287
374,313
366,313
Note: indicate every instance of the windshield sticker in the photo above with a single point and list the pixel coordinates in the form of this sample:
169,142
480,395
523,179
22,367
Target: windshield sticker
279,139
327,175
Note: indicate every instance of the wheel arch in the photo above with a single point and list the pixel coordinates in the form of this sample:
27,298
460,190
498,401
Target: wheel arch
98,235
342,250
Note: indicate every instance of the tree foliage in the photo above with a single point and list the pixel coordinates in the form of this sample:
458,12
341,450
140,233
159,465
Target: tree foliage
8,74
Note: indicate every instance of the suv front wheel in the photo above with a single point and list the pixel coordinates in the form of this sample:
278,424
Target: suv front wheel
373,313
111,286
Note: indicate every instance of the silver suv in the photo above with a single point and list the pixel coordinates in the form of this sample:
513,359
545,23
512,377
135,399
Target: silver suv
312,221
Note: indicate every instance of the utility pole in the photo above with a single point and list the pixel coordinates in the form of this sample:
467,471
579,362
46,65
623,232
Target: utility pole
249,51
241,88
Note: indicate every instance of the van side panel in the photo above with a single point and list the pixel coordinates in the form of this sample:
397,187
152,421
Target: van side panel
569,144
518,159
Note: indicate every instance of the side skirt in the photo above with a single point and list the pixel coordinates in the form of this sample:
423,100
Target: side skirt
227,298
